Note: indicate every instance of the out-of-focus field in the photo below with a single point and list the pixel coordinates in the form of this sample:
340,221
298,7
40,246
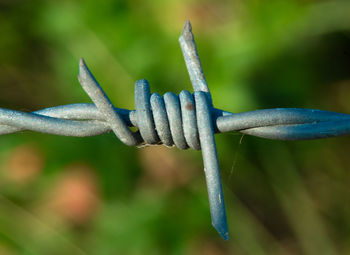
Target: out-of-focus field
61,195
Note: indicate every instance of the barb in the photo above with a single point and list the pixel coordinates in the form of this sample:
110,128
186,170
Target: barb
185,121
206,131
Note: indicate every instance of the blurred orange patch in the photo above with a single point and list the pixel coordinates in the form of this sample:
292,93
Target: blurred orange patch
164,167
24,164
75,196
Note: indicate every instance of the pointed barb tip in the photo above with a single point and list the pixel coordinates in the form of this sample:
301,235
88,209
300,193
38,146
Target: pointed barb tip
82,62
85,75
222,230
82,67
187,31
187,26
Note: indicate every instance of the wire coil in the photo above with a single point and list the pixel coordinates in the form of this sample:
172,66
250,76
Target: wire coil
185,120
169,120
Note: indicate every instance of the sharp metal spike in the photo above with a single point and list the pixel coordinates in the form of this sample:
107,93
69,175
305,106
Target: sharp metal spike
206,131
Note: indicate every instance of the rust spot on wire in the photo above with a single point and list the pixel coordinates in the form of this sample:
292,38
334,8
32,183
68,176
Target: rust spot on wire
189,106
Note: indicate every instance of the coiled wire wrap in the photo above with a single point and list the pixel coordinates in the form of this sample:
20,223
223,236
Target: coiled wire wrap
186,121
169,120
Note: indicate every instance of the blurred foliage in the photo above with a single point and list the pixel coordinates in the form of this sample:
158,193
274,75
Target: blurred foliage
61,195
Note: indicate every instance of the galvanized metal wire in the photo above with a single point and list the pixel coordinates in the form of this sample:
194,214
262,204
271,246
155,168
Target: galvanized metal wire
187,120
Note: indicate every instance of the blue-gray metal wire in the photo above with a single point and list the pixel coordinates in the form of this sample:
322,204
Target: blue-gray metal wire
186,121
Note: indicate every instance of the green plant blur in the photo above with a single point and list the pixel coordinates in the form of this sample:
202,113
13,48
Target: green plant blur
61,195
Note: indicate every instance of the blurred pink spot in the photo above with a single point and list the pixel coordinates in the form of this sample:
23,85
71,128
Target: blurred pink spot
75,196
24,164
165,168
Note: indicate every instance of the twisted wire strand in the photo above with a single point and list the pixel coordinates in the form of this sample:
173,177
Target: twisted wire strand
187,120
83,120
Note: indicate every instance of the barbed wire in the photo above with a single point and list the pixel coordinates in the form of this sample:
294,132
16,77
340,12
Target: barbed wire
187,120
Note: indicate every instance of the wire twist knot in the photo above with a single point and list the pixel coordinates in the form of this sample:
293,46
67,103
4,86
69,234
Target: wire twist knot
169,120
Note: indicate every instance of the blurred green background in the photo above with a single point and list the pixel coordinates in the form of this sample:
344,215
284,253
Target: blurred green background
61,195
